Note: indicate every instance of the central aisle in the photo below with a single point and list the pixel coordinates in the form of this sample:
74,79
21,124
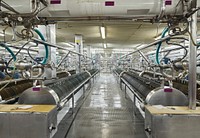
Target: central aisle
106,113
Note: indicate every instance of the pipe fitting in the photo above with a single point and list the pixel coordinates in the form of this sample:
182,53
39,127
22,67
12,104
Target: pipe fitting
23,65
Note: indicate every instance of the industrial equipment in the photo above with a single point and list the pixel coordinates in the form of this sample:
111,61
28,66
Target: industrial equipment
158,86
56,92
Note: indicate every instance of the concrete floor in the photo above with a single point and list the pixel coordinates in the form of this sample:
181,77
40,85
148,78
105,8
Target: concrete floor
107,114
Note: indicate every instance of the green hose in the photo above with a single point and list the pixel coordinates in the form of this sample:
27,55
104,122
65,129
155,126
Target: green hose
46,47
159,45
9,50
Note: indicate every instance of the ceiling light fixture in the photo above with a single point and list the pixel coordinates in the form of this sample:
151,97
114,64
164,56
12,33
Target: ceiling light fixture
103,32
104,45
2,34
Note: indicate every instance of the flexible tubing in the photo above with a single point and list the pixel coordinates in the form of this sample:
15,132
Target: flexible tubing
44,61
9,50
159,45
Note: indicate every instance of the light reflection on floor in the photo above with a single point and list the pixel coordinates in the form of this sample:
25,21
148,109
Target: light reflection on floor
105,114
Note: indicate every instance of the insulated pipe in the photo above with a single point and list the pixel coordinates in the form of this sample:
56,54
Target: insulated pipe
32,14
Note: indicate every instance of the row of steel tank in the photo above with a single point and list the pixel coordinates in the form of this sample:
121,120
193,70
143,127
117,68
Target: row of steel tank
13,91
152,92
54,92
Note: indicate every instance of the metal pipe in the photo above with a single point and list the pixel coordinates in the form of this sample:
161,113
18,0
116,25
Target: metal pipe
162,12
57,46
59,64
10,81
192,86
23,48
147,46
167,50
144,57
9,8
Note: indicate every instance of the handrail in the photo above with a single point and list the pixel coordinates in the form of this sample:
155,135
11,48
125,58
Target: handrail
128,85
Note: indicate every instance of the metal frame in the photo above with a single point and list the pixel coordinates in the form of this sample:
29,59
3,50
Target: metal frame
72,94
57,46
135,95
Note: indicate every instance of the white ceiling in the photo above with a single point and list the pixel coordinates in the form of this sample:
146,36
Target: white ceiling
119,34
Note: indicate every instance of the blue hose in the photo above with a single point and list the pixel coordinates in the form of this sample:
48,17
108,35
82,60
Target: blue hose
159,45
46,47
9,50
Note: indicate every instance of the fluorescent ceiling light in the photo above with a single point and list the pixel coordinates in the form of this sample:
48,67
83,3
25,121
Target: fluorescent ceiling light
104,45
103,32
1,34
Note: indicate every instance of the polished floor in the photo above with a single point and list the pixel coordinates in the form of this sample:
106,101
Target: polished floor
106,113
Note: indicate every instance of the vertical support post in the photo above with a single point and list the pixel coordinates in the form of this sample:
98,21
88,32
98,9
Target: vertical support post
134,103
120,83
73,103
84,91
192,63
89,55
125,91
79,49
90,84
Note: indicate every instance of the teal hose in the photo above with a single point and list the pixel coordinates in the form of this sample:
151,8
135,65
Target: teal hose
9,50
159,45
46,47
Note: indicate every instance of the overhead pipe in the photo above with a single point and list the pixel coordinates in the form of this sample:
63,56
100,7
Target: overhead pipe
151,44
57,46
147,46
34,13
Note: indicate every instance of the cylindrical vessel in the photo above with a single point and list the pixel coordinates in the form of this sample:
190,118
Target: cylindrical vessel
54,92
152,93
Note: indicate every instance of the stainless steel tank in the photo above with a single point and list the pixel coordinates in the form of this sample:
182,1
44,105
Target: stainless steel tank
166,96
151,91
54,92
